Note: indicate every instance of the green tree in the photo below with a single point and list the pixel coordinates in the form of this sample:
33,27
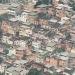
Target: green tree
2,73
50,34
72,4
43,2
68,36
58,50
35,72
6,51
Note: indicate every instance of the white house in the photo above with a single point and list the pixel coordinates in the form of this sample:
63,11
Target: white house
11,52
23,17
34,1
36,45
2,68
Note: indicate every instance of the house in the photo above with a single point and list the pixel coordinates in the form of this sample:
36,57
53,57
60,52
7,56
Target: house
43,18
8,1
73,50
11,12
5,26
55,2
42,8
58,61
20,43
34,1
73,73
36,45
72,60
43,22
63,62
51,61
20,52
73,19
11,30
2,68
50,12
50,45
24,17
12,51
1,49
60,13
25,31
32,57
18,70
20,62
63,59
6,39
32,17
3,10
53,22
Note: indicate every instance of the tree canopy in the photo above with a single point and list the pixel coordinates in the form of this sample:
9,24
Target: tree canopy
6,51
1,73
58,50
68,36
72,4
34,72
43,2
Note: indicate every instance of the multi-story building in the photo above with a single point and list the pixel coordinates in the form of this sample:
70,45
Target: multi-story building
8,1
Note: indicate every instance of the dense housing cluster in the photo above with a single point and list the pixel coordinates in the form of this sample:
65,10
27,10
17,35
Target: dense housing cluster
37,37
